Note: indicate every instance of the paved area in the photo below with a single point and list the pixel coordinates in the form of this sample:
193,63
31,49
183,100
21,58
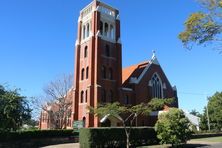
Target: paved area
190,144
69,145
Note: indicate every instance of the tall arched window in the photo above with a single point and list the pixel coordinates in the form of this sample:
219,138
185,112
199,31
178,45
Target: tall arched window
103,72
111,32
103,95
82,97
82,74
157,90
126,99
84,32
101,27
87,72
111,96
107,51
85,51
87,30
106,29
110,73
86,96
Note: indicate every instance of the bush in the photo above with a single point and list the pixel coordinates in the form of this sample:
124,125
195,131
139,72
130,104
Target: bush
35,134
173,127
116,137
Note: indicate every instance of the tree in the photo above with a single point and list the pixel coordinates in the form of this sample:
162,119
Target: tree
14,109
129,113
57,101
204,27
215,111
173,127
195,113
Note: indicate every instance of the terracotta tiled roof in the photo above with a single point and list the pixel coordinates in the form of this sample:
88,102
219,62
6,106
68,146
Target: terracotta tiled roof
133,71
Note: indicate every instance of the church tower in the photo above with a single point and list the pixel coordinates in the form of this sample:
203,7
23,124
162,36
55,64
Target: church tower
98,61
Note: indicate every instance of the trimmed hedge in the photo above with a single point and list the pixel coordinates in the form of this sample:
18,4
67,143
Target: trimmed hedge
35,134
116,137
205,135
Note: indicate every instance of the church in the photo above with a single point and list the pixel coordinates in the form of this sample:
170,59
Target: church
98,73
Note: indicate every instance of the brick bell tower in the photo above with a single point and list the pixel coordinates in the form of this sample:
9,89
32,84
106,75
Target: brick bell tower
98,61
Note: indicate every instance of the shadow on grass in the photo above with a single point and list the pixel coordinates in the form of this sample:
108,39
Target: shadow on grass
179,146
194,145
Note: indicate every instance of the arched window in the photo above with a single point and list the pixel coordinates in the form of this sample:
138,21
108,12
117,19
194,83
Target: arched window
87,30
86,96
101,27
82,74
82,97
157,91
110,73
106,29
126,99
111,96
111,32
103,95
84,32
103,72
107,51
87,72
84,121
85,51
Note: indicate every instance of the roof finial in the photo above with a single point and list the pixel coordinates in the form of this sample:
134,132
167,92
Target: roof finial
154,54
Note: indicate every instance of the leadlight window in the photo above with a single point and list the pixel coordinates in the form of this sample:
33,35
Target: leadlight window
157,90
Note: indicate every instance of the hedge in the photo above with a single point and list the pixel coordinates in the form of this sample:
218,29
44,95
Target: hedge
116,137
35,134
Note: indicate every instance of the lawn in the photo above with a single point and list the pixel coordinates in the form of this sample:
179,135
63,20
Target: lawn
210,139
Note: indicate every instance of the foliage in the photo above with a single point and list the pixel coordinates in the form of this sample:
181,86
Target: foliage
115,137
116,109
204,27
14,109
195,113
215,111
56,101
34,134
173,127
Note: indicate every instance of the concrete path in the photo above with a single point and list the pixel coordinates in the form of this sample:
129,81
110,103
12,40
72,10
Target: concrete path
69,145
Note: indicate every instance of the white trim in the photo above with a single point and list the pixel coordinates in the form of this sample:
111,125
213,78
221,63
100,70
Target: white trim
137,80
127,89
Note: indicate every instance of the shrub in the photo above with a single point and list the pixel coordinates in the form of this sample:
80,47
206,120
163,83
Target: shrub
173,127
116,137
35,134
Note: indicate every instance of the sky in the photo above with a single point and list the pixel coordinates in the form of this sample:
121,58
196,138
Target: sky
37,39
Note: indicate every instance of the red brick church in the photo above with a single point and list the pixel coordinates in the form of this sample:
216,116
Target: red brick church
99,76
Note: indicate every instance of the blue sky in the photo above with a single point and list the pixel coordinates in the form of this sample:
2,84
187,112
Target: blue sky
37,40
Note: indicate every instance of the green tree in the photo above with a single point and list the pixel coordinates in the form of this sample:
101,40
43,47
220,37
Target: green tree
195,113
215,111
204,27
203,120
14,109
173,127
129,113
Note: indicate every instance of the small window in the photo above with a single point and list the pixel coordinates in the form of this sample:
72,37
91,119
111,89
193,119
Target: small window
110,73
86,52
103,72
101,27
107,51
82,97
127,99
86,96
87,72
106,29
103,95
111,96
82,74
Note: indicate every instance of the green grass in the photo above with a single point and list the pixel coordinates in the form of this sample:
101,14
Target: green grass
210,139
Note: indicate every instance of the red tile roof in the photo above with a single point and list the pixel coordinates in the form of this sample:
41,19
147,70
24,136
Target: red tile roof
133,71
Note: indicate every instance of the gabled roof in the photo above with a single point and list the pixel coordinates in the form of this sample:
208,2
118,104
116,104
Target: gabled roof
134,70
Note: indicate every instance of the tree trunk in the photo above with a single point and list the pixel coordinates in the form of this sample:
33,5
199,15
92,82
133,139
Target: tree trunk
127,141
